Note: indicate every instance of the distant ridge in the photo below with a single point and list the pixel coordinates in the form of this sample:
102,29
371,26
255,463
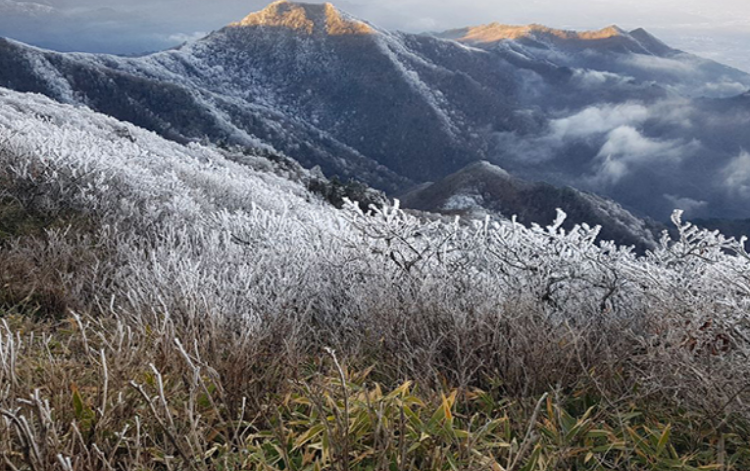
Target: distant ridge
495,32
612,38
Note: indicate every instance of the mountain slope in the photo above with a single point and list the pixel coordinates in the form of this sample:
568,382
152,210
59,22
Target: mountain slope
598,110
483,189
335,100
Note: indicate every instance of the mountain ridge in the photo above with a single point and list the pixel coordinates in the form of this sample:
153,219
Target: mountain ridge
495,31
397,109
611,38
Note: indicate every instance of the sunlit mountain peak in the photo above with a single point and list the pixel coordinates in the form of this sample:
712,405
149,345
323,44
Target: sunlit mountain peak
306,18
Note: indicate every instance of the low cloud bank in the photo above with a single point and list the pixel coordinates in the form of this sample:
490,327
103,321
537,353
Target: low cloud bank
670,154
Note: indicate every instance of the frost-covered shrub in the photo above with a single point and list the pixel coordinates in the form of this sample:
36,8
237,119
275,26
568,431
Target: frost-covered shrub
187,236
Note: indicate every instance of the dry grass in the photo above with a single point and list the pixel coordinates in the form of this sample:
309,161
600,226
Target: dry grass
90,393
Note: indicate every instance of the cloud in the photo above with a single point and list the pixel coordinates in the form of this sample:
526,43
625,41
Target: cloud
424,24
98,29
673,67
597,120
719,43
607,129
689,205
736,176
595,78
723,88
688,75
674,153
628,141
183,38
110,26
9,7
627,150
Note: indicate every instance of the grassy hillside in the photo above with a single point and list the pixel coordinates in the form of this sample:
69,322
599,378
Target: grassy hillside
165,307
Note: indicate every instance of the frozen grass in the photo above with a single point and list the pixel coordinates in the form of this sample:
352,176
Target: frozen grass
167,308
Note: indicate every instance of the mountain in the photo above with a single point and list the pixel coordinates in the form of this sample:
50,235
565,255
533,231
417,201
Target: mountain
611,112
483,189
535,35
310,19
300,77
636,54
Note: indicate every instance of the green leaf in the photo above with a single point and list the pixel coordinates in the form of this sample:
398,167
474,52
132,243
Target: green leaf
452,462
309,435
78,406
599,434
663,440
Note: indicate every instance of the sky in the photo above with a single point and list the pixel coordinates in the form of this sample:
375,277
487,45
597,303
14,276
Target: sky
716,29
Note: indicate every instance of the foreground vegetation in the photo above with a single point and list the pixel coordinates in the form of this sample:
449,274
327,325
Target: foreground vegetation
100,393
165,307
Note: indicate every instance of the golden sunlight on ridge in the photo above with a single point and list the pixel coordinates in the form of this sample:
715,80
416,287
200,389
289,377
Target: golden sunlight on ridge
307,18
495,32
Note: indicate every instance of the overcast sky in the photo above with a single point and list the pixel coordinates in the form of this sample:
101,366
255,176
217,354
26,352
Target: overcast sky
719,29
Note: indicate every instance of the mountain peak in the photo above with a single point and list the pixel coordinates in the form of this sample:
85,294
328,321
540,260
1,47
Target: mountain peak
651,42
495,32
307,18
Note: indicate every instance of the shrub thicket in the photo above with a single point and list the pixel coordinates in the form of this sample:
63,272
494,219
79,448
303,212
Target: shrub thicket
188,303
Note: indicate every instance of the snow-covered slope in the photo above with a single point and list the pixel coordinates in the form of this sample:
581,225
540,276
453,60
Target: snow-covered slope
196,183
183,231
191,182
